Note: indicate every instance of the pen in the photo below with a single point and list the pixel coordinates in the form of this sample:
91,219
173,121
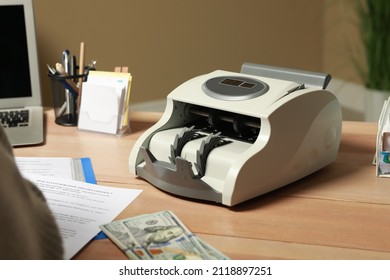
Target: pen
65,64
73,66
66,60
52,71
62,109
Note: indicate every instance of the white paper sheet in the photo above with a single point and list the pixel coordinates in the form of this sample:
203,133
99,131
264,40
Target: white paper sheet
80,208
55,167
79,169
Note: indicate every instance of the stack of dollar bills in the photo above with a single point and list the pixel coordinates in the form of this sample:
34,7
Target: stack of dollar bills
159,236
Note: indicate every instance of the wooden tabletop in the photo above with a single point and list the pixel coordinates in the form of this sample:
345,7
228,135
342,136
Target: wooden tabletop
339,212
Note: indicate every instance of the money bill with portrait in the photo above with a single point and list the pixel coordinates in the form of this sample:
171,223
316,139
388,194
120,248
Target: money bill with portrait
159,236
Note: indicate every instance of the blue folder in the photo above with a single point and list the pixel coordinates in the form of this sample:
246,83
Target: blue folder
89,174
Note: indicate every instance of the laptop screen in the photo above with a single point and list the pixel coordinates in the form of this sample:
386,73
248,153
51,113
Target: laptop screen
14,66
19,72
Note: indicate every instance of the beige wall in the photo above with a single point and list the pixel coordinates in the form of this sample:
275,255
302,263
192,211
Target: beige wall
166,42
342,46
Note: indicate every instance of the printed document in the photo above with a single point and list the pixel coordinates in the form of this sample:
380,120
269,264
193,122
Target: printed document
80,208
79,169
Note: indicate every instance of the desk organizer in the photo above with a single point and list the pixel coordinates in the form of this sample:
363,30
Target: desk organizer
65,94
104,102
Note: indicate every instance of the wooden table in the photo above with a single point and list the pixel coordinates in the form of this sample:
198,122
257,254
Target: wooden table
339,212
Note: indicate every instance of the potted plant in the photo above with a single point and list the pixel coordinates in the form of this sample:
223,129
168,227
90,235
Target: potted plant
374,28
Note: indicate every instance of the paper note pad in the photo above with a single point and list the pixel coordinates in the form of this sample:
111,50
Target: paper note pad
105,102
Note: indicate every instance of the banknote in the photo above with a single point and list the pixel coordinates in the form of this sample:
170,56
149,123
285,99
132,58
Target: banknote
158,236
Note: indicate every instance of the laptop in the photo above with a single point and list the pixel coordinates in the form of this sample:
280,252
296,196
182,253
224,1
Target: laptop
21,111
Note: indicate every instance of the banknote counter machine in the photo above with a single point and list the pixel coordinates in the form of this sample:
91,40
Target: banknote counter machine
228,137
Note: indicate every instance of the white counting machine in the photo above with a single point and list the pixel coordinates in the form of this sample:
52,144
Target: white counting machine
228,137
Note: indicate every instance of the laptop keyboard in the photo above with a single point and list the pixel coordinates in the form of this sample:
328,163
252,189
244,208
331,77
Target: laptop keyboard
14,118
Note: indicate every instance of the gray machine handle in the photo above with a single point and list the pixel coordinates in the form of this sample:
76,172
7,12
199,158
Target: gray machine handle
310,79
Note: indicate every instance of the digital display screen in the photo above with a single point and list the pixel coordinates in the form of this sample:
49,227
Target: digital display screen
237,83
234,87
247,85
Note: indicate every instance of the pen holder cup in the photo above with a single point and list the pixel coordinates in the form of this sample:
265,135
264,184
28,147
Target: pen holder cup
65,95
